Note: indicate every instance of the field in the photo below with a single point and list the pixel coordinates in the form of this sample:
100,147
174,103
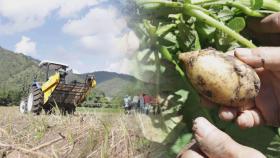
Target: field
89,133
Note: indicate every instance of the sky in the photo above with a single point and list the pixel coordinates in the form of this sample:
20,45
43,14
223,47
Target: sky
88,35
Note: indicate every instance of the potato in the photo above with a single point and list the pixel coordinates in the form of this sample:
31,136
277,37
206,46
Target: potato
221,78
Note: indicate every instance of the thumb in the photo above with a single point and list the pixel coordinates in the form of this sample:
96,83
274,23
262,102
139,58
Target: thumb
266,57
217,144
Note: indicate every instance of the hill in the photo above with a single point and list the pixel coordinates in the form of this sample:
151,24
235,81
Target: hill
18,71
122,86
13,64
102,76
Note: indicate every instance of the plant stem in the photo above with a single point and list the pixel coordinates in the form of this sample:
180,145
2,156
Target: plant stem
244,9
160,3
157,60
166,55
238,5
189,10
204,1
273,5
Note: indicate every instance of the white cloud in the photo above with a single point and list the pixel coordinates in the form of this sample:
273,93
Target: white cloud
124,66
129,43
24,15
70,8
110,44
103,30
101,44
26,46
96,21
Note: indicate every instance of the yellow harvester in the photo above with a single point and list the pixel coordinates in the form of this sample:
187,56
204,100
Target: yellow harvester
55,91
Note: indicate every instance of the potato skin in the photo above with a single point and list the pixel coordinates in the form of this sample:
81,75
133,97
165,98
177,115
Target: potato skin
221,78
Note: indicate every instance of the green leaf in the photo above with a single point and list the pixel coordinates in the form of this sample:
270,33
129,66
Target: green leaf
204,30
225,14
256,4
205,35
186,37
184,95
197,45
237,24
168,40
181,142
162,30
150,28
257,137
175,16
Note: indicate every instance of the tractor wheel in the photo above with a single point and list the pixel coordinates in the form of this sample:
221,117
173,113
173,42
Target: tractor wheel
35,101
71,110
23,106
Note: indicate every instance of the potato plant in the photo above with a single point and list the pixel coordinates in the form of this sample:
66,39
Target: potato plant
169,28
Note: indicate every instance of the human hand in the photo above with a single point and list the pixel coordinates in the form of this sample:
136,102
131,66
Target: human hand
265,31
265,109
213,143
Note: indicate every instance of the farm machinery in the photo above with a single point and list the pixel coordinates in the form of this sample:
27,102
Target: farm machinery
56,91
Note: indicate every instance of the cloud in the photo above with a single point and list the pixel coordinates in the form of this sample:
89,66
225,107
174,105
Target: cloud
124,66
24,15
105,44
129,43
26,46
103,30
70,8
96,21
125,45
98,32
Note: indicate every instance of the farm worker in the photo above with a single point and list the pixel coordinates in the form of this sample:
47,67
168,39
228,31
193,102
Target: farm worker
129,100
135,101
156,105
265,110
141,101
126,102
147,100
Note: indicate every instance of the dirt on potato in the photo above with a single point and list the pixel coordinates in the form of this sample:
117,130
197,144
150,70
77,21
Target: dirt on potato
221,78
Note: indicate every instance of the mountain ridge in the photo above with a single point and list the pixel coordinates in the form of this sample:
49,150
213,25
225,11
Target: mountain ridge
18,70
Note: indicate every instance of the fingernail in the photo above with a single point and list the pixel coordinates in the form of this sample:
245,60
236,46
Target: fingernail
245,121
202,127
227,113
243,52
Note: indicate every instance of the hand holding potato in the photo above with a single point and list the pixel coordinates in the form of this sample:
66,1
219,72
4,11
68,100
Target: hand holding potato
264,109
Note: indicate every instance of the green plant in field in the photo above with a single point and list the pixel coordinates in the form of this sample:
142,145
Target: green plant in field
105,143
166,28
141,143
91,143
39,126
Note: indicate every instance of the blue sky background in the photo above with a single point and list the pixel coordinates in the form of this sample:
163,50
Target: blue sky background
89,35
